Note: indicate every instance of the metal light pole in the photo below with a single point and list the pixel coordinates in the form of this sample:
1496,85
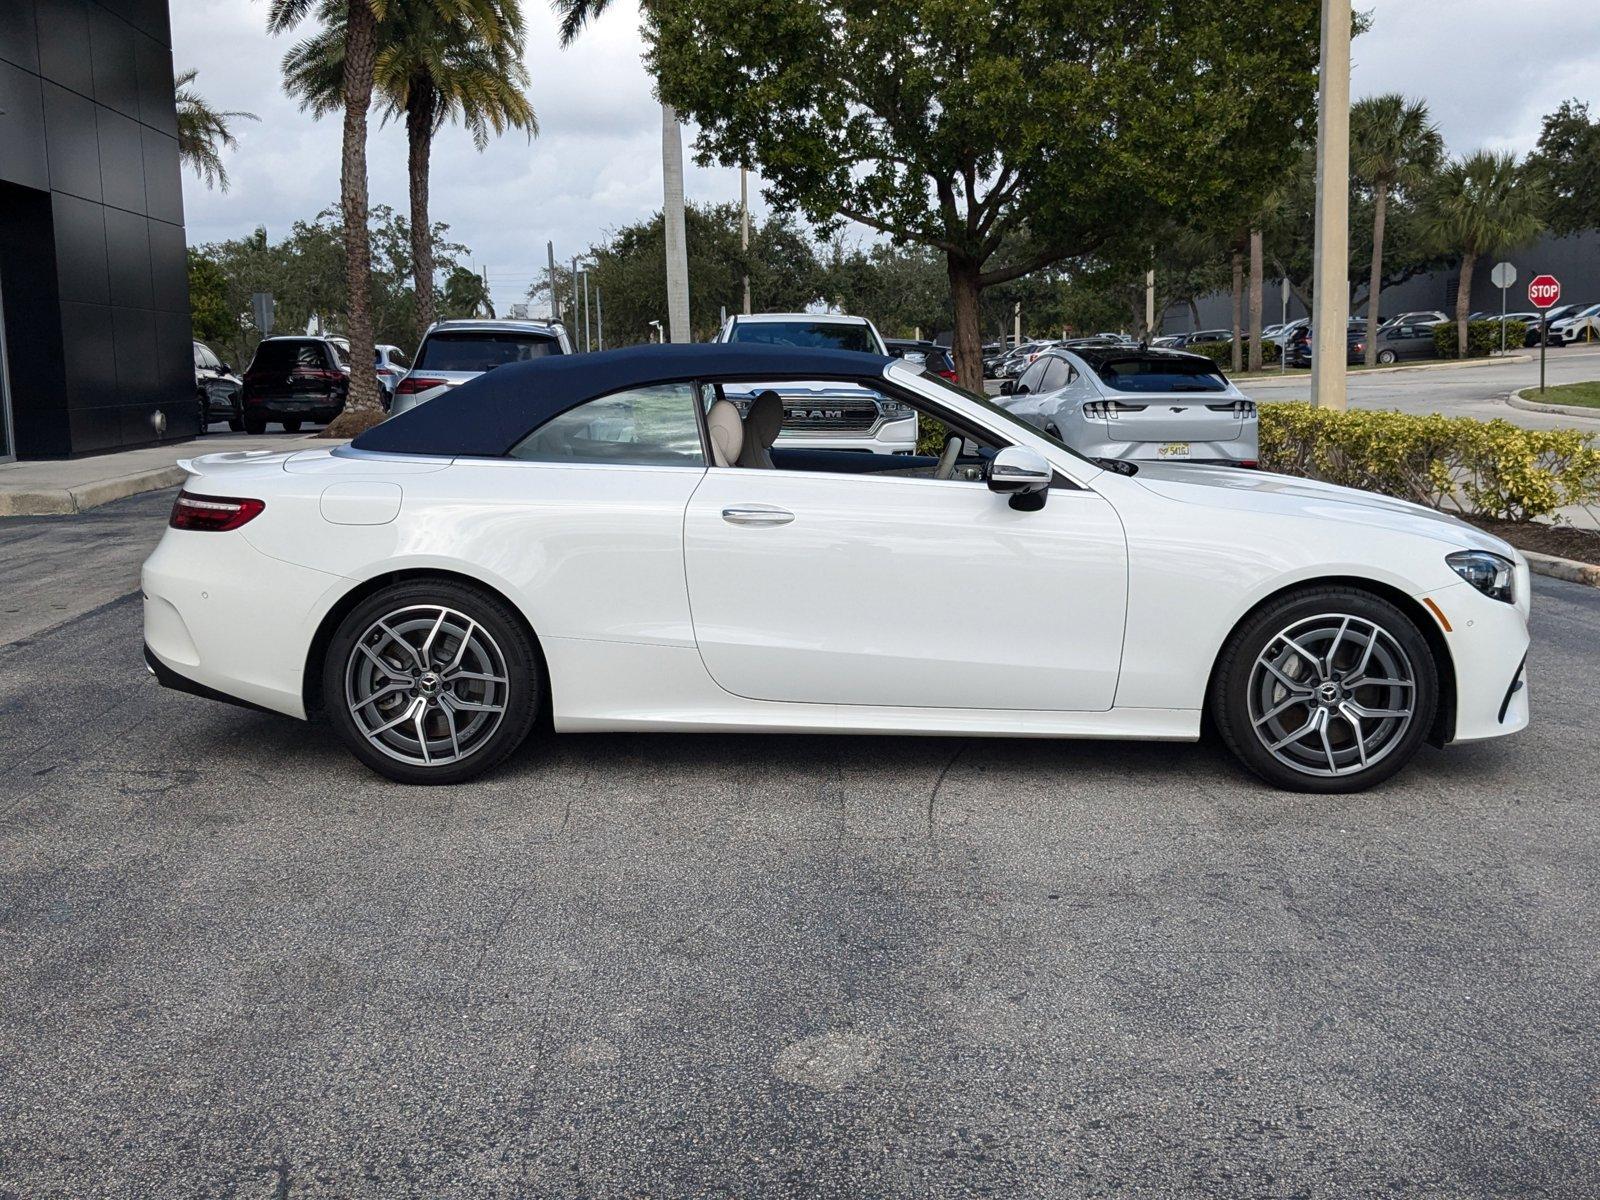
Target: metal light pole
744,230
1150,303
555,296
599,318
587,344
1331,304
575,312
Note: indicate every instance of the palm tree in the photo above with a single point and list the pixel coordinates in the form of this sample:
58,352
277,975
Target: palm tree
360,22
575,14
204,132
431,68
1393,145
1480,204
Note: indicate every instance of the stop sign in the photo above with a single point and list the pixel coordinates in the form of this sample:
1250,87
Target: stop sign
1544,291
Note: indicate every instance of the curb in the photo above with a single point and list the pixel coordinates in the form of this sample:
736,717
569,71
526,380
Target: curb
1516,400
1562,568
60,502
1448,364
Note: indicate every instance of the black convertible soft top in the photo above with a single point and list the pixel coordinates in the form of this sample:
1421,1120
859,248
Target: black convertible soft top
485,417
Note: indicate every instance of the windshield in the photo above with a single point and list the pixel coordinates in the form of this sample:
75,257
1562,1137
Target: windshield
1137,373
994,410
816,335
465,350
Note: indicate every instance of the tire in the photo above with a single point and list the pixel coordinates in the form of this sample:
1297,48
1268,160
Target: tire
205,417
254,424
1255,699
292,426
1387,356
375,688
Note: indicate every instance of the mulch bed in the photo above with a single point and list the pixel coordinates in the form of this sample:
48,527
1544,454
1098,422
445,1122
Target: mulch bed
1561,540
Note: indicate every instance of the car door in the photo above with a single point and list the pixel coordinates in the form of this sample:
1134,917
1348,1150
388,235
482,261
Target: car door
887,590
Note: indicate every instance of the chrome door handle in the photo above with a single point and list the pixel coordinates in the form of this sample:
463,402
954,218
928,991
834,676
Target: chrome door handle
757,514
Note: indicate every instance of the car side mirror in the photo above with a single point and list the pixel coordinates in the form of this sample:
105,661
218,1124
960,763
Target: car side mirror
1021,474
1007,387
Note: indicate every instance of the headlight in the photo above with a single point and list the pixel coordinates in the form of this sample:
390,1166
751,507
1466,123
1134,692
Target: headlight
1489,573
894,410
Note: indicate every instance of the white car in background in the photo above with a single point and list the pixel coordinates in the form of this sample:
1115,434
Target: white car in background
580,538
453,352
819,414
1582,326
1129,404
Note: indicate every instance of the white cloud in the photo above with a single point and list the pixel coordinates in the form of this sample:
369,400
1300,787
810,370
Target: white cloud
1489,71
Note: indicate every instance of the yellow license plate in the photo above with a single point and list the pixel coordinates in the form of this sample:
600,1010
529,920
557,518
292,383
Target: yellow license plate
1173,450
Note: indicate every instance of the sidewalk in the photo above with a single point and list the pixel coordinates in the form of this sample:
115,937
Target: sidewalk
59,486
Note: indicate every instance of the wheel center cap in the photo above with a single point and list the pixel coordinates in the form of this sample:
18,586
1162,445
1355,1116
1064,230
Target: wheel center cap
428,684
1329,693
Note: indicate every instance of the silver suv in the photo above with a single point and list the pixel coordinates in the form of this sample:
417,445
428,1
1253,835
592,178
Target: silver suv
453,352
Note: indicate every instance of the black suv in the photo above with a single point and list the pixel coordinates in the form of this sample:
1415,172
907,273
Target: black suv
292,380
216,390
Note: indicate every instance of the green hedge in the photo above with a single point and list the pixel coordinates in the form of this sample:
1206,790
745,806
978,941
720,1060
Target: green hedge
1456,464
1482,337
1221,353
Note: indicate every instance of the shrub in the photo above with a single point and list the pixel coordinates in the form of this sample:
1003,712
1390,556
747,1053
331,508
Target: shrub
1456,464
1482,337
1221,353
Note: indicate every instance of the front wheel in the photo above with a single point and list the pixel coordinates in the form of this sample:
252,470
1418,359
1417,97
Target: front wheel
431,682
1329,689
1387,356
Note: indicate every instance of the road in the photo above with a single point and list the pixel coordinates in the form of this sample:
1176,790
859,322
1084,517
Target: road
235,964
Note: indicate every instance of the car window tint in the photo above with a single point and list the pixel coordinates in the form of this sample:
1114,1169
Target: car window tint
1132,373
1031,377
821,335
650,426
286,355
463,350
1055,375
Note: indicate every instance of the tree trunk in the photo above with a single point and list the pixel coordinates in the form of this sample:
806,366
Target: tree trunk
1380,207
420,116
1194,315
1256,272
672,214
1238,310
965,294
1464,302
361,409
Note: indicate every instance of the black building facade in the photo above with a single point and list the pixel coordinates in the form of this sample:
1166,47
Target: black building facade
94,298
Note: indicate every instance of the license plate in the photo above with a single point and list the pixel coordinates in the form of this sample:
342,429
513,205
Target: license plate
1173,450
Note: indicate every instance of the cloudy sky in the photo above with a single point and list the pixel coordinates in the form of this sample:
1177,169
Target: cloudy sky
595,166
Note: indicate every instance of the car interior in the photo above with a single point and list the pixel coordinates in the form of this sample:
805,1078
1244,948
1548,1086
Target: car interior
749,440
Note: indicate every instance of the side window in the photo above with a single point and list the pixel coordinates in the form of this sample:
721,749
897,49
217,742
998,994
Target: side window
1055,375
1031,377
651,426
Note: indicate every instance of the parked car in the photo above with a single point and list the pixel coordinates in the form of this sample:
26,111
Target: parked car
1015,363
1284,334
1397,342
1430,316
1298,352
292,380
1581,326
1551,318
1205,335
216,389
1170,341
822,414
462,572
1131,405
931,355
452,352
392,366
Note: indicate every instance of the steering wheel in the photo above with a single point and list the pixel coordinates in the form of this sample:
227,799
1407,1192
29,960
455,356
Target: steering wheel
947,460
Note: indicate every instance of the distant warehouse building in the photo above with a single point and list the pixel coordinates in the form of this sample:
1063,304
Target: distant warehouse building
95,348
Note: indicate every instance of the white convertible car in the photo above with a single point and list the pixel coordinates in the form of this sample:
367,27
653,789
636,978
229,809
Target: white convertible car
605,542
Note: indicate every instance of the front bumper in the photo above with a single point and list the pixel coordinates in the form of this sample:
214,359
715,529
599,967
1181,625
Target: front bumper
1488,643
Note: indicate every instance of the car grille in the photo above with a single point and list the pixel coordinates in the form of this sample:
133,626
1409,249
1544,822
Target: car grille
830,416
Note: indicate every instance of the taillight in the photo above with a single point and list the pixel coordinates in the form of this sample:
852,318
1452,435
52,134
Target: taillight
413,384
213,514
950,375
1249,462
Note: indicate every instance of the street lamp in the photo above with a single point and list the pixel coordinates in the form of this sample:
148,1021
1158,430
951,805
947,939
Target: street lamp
656,325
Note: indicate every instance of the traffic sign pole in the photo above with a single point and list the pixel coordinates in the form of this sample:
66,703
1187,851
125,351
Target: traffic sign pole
1544,338
1543,292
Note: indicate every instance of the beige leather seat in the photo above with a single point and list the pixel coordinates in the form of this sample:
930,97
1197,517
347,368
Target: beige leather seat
727,433
761,426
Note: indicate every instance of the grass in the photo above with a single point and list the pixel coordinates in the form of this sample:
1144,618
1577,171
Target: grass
1583,395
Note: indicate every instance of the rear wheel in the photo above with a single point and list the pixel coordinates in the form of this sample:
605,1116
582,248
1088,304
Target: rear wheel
292,426
254,424
431,682
1330,689
1387,356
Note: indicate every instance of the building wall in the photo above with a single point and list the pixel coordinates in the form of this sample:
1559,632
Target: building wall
1574,260
93,269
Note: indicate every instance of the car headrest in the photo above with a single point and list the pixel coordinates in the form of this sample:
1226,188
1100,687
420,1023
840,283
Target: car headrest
727,433
765,418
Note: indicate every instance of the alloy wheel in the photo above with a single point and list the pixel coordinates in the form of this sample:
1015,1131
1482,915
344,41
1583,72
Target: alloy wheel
1331,694
427,685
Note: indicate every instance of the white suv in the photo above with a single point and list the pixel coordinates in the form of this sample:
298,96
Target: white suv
1581,326
819,414
453,352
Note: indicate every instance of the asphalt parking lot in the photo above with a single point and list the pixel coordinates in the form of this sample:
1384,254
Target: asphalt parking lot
234,963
